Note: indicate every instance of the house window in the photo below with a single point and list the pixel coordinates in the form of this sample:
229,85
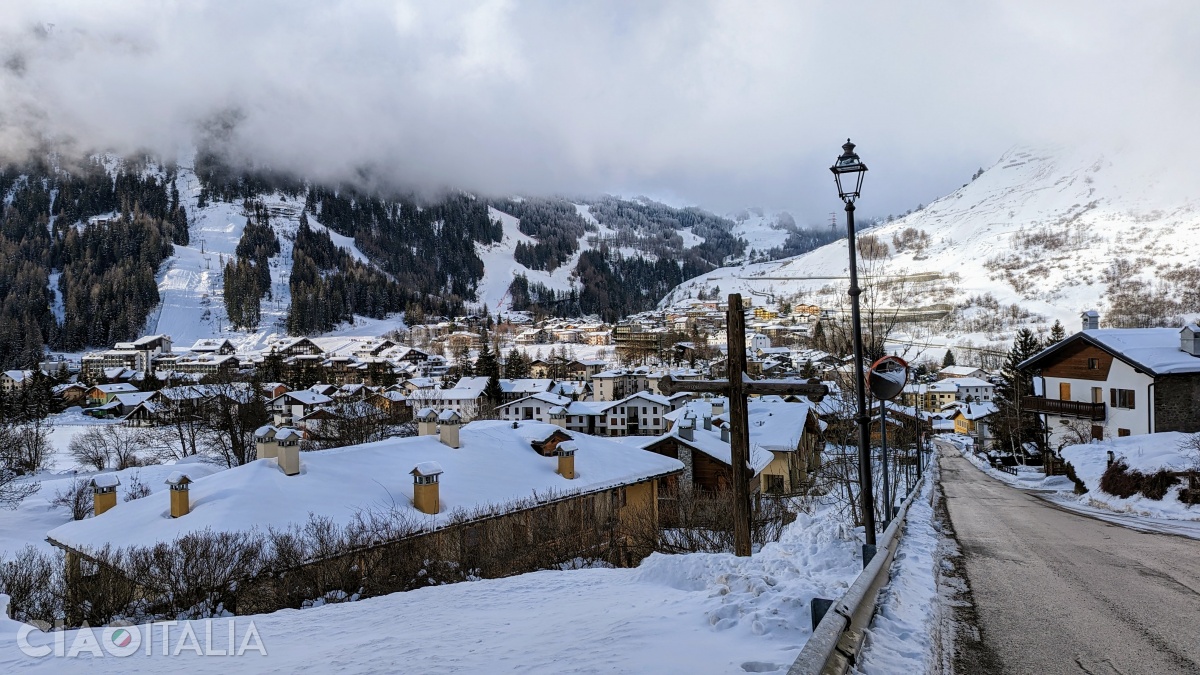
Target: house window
1121,398
774,485
1097,395
1093,364
1122,433
1064,391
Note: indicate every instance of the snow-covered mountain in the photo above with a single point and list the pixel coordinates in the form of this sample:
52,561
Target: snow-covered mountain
1054,231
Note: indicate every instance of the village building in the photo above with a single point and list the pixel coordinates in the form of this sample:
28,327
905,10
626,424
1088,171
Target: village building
13,380
101,394
494,479
289,408
139,355
1117,382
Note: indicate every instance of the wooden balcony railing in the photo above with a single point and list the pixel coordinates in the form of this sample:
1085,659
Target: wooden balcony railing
1092,411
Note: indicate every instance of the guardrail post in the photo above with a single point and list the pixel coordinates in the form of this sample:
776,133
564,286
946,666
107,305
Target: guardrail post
820,607
868,551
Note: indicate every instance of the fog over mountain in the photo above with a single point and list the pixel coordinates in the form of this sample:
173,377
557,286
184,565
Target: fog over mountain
720,104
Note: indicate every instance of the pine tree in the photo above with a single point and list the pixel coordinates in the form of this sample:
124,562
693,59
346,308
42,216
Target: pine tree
1057,334
948,360
516,366
486,364
1015,425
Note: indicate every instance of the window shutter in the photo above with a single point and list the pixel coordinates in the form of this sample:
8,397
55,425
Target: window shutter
1112,397
1131,393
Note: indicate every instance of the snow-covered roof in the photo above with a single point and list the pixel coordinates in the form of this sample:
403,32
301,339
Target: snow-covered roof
709,442
133,398
18,375
449,416
974,411
496,465
305,397
118,388
547,398
1153,350
958,371
523,386
961,382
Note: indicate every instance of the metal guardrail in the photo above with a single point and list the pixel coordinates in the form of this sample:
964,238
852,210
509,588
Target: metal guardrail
838,638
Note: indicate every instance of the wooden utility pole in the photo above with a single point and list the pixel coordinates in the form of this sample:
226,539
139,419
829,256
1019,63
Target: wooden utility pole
738,388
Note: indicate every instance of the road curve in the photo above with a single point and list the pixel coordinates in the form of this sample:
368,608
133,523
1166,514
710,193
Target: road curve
1054,591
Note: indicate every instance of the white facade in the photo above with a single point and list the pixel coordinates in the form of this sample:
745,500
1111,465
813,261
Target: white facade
1119,419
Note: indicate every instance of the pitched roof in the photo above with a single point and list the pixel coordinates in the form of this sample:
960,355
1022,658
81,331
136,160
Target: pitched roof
1152,350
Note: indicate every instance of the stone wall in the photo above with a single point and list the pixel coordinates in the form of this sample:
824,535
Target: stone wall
1177,403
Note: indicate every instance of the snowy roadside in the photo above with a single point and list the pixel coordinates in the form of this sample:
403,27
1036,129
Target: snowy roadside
699,613
904,631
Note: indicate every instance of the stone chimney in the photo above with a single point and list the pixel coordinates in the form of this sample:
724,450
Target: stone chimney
425,487
264,442
289,450
426,422
1091,319
558,416
181,504
1189,339
718,407
104,492
686,426
707,422
725,434
566,459
449,421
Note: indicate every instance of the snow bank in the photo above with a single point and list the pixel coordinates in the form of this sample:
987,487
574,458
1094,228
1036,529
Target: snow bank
1146,453
901,637
699,613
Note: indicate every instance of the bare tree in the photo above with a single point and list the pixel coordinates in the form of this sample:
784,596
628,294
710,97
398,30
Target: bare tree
112,445
352,423
232,414
77,498
13,489
181,424
24,448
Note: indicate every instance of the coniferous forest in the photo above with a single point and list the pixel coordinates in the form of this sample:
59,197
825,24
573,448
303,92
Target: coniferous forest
103,235
83,243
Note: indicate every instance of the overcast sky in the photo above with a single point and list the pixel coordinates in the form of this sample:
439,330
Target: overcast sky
721,104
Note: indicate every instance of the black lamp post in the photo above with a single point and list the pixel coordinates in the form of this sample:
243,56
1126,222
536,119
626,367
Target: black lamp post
848,171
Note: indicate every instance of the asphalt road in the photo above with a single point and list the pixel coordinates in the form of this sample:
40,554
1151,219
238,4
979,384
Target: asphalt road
1055,591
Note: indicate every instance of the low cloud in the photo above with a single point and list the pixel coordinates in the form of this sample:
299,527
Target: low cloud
724,104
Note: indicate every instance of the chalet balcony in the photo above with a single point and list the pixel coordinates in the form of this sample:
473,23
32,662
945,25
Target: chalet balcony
1092,411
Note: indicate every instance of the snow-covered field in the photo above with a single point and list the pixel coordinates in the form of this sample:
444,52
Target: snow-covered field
699,613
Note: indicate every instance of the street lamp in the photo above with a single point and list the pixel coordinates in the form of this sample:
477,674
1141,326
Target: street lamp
848,171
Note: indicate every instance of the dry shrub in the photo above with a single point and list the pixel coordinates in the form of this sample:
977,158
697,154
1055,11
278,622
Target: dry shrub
1118,480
